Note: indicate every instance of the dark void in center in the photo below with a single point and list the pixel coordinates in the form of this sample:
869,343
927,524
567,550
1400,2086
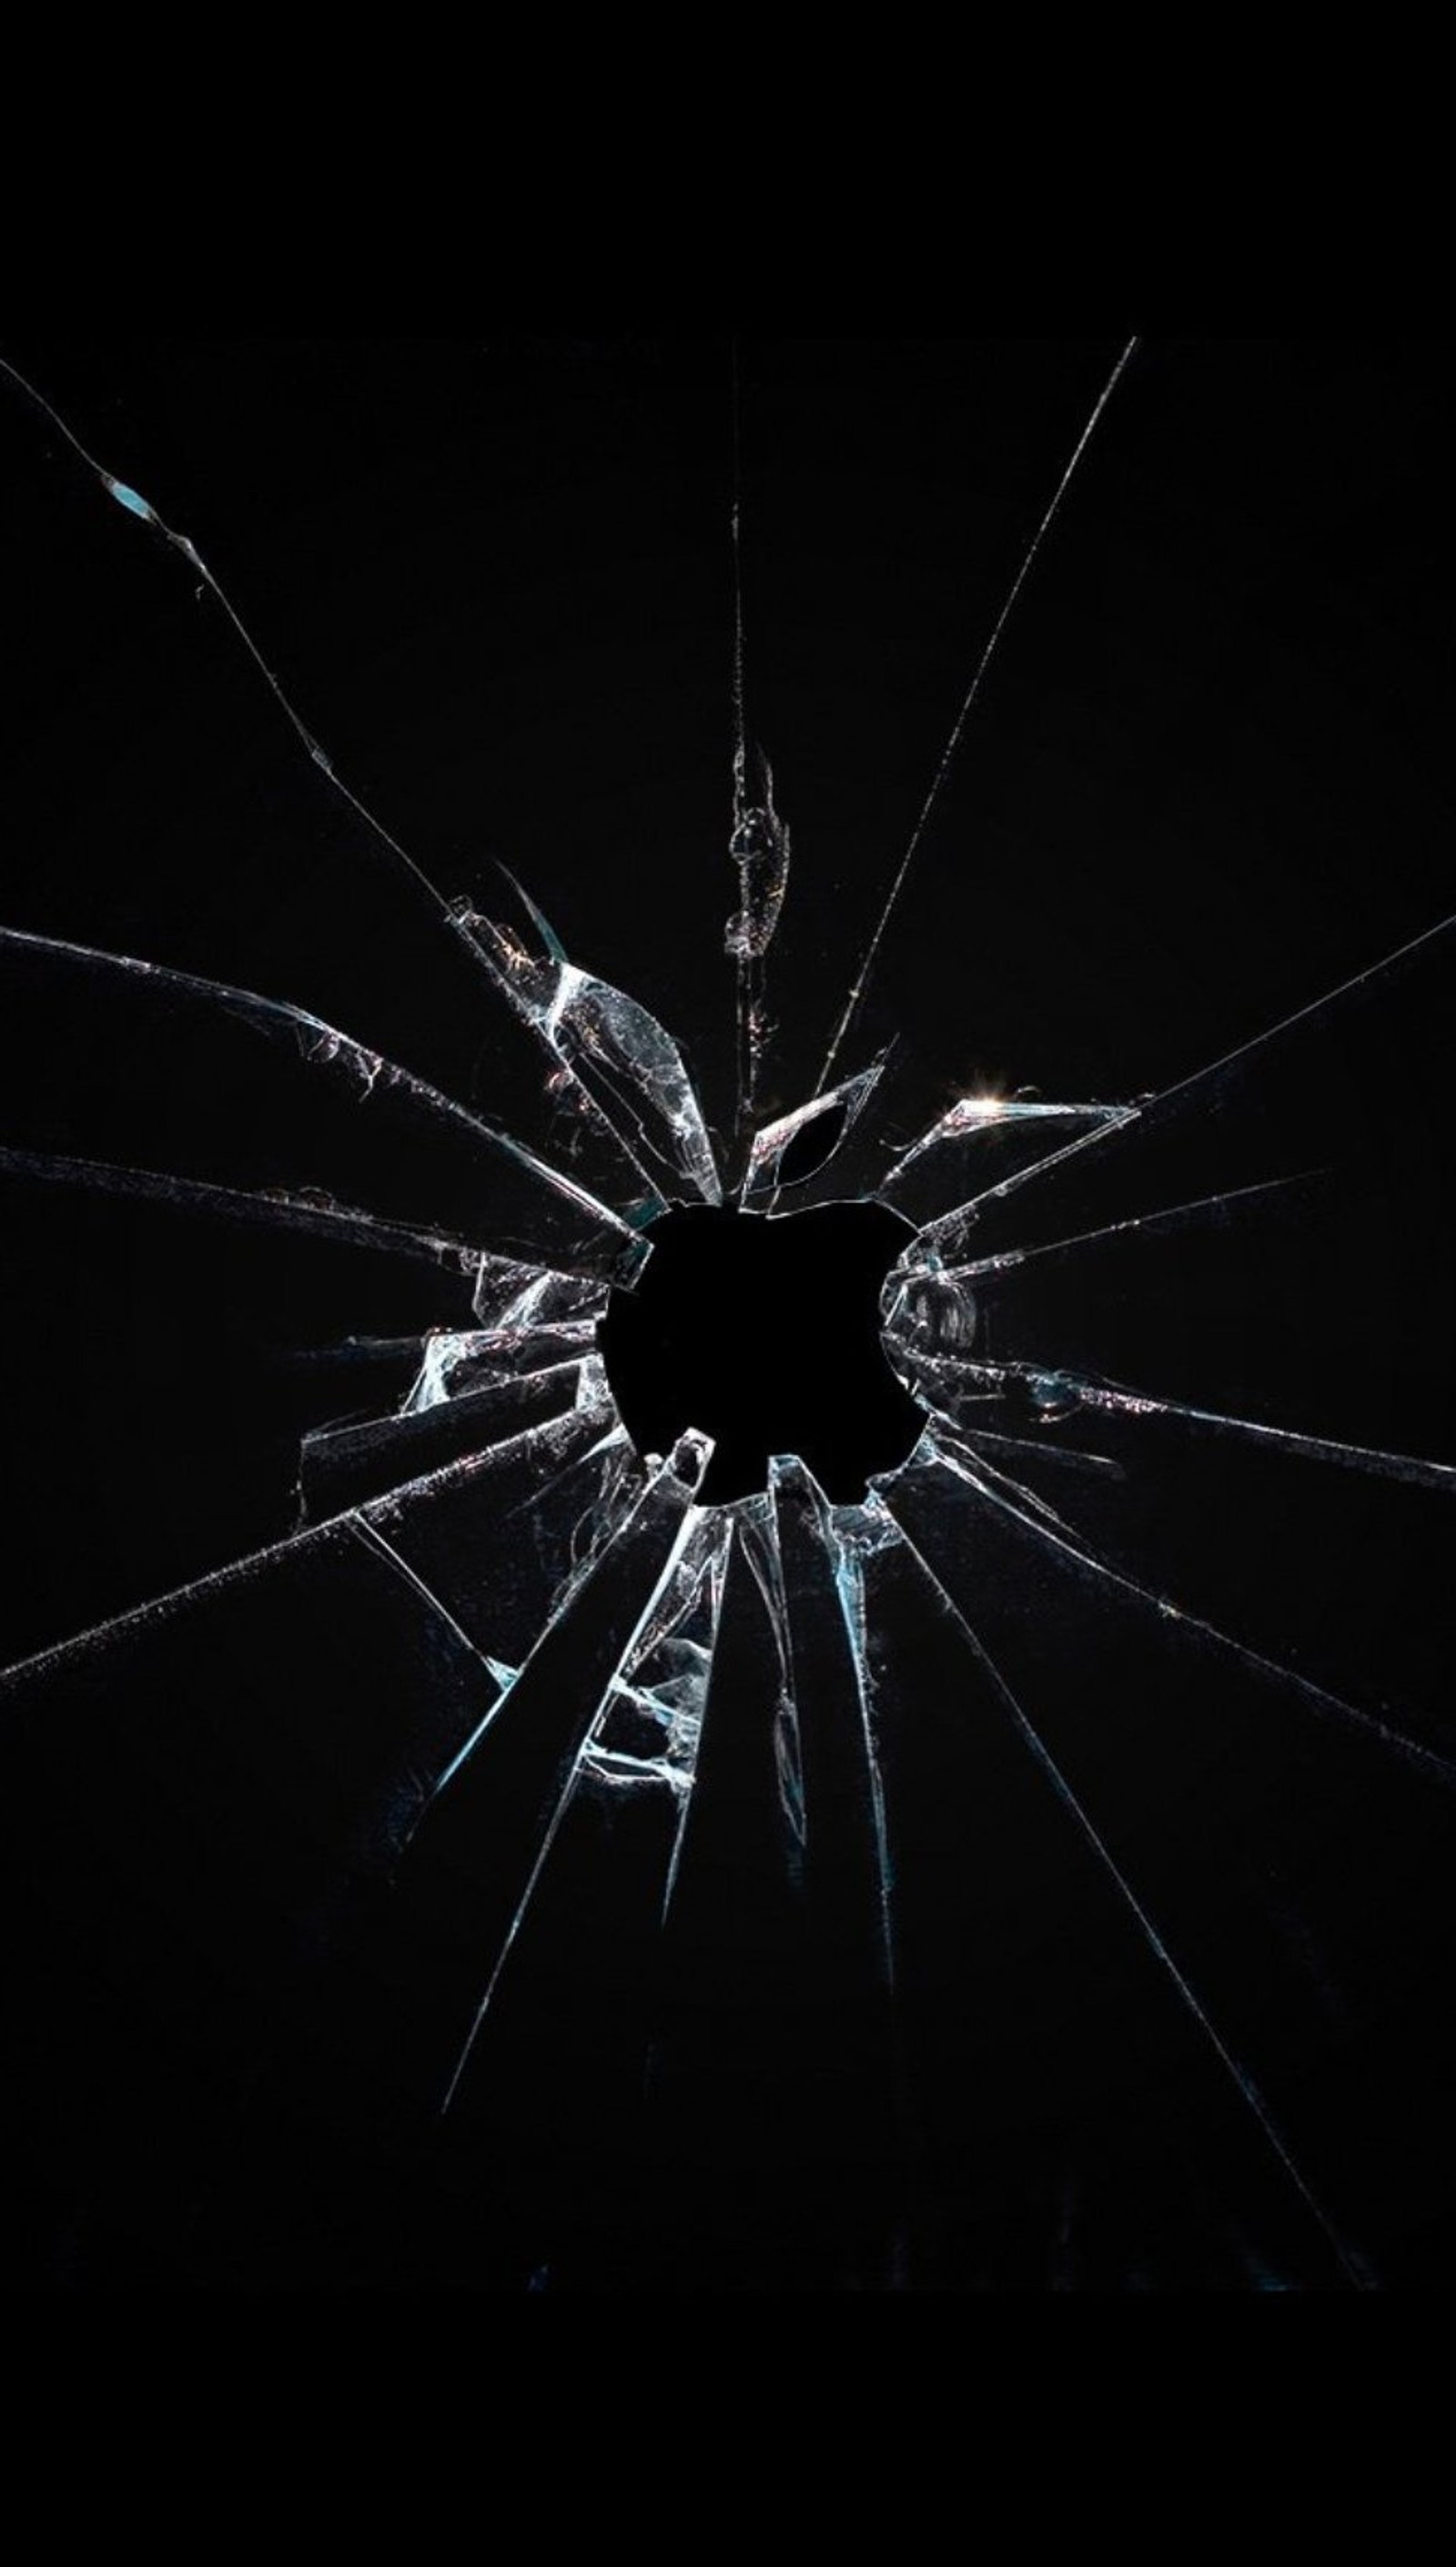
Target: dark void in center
764,1334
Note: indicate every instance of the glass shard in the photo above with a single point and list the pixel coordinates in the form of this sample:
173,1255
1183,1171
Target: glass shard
618,1054
758,847
798,1145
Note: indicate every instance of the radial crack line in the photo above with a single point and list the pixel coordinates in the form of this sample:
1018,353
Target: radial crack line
616,1437
1034,1168
954,743
758,841
324,1219
361,1433
563,1595
1137,1114
661,1583
1119,1401
312,1536
1425,1758
1070,1454
326,1047
1252,2098
132,501
740,726
373,1541
978,1464
361,1350
1298,1016
1012,1257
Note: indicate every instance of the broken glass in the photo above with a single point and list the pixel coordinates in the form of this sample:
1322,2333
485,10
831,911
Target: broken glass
477,1821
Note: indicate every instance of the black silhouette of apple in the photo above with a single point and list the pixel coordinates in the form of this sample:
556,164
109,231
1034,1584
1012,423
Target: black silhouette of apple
764,1331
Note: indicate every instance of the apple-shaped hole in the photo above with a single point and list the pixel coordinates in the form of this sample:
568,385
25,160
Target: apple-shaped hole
762,1331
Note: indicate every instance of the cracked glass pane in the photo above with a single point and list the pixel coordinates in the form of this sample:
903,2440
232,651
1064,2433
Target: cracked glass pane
728,1574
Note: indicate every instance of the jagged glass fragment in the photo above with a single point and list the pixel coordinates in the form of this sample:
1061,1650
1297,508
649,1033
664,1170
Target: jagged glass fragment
612,1049
796,1146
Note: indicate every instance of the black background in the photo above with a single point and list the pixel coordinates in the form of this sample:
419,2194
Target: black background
1208,780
